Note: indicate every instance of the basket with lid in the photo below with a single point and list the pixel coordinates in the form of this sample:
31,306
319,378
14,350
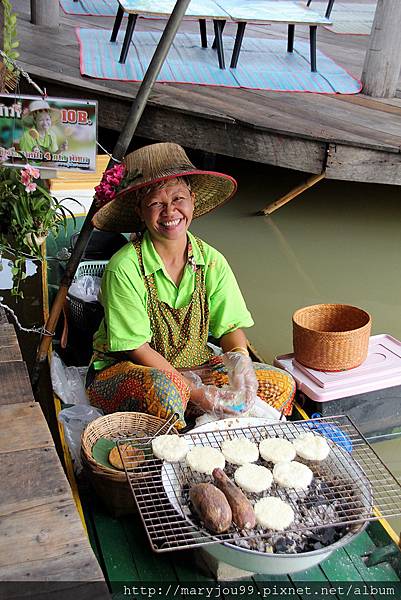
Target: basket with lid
331,337
108,482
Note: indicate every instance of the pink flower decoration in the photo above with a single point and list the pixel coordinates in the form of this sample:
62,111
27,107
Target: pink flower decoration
109,185
31,187
25,177
35,173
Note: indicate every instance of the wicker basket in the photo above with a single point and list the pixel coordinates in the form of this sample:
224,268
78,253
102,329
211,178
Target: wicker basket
112,485
331,337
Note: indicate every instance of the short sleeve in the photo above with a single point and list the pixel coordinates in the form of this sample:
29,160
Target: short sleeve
124,299
227,306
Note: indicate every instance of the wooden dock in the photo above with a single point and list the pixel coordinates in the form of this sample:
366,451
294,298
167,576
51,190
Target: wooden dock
44,549
359,136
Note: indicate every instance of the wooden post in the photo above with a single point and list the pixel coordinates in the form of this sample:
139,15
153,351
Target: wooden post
45,12
383,57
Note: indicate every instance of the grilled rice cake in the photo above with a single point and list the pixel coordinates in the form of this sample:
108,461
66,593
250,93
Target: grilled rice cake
133,457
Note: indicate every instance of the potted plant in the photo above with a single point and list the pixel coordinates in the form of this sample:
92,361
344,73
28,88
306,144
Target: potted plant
28,213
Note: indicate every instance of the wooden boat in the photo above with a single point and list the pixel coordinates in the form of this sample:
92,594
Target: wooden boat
123,551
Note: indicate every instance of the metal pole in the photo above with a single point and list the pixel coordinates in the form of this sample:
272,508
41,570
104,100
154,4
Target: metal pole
120,149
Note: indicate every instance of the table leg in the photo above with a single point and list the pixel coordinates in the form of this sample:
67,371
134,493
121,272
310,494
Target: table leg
329,9
117,24
203,34
291,35
128,37
223,23
218,30
312,37
237,45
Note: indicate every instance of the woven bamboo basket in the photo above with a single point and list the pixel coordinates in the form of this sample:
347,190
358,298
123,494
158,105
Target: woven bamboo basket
331,337
110,484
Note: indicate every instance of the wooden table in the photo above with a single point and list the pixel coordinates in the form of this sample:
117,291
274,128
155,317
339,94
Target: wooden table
239,11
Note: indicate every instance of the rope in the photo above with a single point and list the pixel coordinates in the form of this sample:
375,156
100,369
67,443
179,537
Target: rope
40,330
23,73
108,153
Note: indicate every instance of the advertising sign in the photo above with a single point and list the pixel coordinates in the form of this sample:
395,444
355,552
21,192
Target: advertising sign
53,133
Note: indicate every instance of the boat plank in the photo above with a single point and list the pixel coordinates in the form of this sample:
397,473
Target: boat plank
339,567
22,427
356,551
15,384
33,477
312,574
113,548
152,566
9,348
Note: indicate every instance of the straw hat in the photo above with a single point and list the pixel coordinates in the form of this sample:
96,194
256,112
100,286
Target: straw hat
35,106
155,163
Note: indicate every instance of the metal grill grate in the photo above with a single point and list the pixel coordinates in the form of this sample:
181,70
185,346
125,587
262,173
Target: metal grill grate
352,479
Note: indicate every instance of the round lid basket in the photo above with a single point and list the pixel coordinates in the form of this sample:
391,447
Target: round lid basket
109,483
331,337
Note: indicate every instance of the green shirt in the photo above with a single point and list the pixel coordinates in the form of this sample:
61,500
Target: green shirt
124,296
46,144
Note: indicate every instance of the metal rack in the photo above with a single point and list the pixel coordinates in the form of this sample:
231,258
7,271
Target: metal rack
353,479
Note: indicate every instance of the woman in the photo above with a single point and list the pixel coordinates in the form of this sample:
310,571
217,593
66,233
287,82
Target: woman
164,293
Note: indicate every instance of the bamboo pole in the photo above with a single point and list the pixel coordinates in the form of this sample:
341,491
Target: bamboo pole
45,12
383,57
120,149
268,210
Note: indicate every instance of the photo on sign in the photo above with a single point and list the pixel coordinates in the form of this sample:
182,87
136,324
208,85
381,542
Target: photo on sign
56,133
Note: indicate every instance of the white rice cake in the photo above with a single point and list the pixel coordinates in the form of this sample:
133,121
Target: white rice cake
240,451
273,513
311,446
204,459
293,475
277,450
253,478
171,448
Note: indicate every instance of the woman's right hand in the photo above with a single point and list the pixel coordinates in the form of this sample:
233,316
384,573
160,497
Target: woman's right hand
210,398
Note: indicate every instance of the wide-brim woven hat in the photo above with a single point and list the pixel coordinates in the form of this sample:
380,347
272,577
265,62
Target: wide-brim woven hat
39,105
156,163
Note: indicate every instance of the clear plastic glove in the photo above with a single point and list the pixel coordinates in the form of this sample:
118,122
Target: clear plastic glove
242,378
210,398
239,397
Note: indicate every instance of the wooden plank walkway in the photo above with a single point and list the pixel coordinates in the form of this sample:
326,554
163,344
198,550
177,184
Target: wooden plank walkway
42,538
292,130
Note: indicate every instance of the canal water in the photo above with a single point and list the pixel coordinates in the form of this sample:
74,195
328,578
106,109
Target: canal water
338,242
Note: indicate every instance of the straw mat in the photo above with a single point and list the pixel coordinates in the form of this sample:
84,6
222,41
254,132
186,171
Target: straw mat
96,8
263,63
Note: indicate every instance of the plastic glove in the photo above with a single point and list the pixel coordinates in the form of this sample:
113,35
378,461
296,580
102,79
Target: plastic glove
210,398
242,378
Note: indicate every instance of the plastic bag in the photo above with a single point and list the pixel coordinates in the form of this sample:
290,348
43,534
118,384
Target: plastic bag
68,382
86,288
74,420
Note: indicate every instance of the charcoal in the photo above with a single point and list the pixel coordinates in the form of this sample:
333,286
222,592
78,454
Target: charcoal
315,510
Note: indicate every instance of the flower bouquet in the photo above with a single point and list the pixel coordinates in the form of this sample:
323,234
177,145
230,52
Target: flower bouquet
28,213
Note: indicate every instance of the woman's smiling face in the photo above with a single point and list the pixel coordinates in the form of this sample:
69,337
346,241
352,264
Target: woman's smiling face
167,211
